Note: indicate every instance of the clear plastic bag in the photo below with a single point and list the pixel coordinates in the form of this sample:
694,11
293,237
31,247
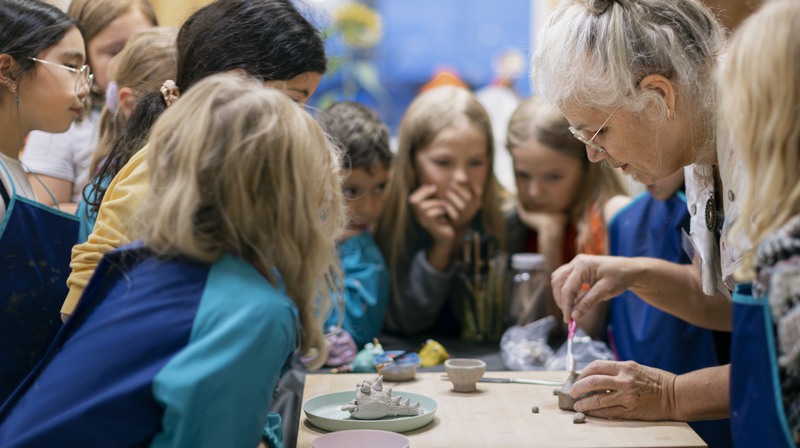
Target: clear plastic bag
526,347
584,349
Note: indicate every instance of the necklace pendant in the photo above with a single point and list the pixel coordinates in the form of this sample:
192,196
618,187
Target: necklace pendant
711,213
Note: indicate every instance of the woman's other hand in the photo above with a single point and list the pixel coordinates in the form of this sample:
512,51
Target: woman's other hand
606,276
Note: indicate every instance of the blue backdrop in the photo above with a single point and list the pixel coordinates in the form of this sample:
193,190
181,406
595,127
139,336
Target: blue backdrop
422,36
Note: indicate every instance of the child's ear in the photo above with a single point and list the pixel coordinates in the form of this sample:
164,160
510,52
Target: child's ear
8,78
127,101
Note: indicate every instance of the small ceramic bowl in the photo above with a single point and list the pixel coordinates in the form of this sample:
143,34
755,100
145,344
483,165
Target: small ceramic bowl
403,369
361,437
464,373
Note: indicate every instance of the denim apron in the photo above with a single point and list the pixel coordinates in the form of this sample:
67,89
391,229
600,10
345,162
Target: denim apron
757,414
648,227
35,249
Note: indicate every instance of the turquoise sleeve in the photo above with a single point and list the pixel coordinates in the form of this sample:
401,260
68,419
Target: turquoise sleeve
273,431
366,289
217,391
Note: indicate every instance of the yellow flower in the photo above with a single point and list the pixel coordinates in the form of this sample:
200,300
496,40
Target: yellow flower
360,26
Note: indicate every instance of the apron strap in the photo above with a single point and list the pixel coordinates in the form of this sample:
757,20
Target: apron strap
52,197
4,194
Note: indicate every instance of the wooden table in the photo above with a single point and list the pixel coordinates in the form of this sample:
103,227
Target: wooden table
499,415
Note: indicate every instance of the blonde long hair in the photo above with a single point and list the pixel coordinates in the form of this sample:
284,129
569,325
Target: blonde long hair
428,115
760,97
239,168
535,118
149,58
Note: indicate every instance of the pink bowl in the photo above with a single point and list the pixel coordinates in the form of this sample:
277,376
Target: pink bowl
355,438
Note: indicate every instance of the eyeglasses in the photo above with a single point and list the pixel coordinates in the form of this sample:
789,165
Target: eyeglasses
84,79
578,135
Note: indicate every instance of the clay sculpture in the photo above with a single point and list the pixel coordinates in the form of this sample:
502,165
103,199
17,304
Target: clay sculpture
372,402
565,400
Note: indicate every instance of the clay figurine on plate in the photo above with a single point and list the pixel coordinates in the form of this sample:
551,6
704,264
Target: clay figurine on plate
372,402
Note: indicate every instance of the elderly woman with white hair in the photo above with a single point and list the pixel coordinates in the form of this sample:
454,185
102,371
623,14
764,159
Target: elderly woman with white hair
636,81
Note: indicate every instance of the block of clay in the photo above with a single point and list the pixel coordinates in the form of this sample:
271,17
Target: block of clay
565,400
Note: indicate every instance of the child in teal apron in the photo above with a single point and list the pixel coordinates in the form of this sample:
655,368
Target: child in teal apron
180,339
368,159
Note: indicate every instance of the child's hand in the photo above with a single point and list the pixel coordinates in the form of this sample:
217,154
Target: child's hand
431,214
463,203
543,222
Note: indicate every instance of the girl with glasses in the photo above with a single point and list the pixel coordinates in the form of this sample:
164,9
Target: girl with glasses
61,161
41,55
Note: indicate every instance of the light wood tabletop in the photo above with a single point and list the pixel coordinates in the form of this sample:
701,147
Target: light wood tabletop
499,415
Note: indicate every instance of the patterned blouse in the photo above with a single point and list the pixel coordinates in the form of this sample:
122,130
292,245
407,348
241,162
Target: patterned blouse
778,279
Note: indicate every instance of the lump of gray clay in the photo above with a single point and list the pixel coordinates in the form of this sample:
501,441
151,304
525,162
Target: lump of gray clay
580,417
565,400
535,409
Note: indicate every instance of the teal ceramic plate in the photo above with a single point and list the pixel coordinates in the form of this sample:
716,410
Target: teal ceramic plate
324,413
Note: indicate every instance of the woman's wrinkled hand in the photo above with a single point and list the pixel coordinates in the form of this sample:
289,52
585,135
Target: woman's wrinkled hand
606,277
625,390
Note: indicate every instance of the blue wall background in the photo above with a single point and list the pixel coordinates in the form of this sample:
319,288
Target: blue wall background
422,36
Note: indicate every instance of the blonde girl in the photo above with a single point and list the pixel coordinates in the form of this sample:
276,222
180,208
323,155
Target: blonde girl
180,339
760,99
442,187
564,201
62,161
149,57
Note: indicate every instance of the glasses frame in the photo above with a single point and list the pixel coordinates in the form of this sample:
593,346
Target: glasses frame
590,142
85,76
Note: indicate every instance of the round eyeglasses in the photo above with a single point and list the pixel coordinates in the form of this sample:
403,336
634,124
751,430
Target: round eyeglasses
84,76
590,142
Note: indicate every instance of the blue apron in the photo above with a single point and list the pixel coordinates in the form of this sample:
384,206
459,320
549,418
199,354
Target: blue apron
757,414
35,249
641,332
651,228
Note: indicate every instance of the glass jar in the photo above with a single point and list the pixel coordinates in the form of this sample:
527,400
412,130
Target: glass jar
529,286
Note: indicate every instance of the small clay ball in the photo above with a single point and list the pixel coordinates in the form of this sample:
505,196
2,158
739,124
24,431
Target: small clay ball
580,417
555,391
535,409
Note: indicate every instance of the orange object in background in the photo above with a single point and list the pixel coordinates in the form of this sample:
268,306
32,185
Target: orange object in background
444,77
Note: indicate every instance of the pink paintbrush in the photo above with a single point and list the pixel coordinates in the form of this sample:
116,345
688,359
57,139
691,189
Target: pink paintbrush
572,367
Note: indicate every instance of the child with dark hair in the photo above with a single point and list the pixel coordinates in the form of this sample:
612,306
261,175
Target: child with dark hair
268,40
364,139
